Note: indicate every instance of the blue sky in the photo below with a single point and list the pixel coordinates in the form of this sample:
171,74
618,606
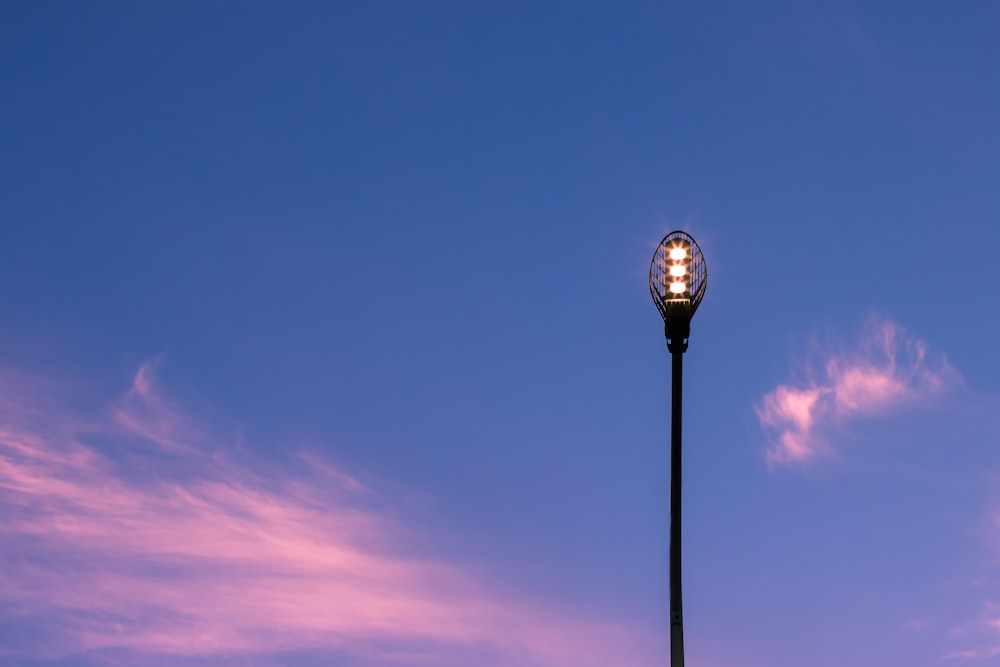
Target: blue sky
325,334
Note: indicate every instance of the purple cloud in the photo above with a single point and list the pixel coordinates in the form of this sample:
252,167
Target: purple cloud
889,368
139,531
984,631
979,633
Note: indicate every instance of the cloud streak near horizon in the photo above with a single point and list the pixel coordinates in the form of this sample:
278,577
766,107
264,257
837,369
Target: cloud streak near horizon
888,368
138,531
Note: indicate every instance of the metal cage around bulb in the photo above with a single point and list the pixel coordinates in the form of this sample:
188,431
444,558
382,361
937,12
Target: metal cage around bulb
677,251
677,280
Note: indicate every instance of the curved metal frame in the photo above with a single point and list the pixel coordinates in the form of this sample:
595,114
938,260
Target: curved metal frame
677,308
659,273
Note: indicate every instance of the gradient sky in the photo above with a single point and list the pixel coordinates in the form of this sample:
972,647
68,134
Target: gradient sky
325,336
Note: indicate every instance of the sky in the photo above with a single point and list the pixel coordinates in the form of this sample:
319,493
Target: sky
326,338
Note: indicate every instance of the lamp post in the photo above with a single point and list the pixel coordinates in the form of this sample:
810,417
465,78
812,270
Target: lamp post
677,280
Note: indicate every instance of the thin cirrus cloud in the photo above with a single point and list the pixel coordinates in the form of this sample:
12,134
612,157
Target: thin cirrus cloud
887,369
136,533
976,654
982,631
980,635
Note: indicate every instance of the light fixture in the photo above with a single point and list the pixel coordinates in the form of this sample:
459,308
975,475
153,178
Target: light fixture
677,280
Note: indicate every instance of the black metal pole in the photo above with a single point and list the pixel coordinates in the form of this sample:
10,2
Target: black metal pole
676,607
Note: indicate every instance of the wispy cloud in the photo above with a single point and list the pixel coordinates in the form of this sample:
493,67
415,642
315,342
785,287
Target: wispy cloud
985,632
979,634
976,654
137,530
888,368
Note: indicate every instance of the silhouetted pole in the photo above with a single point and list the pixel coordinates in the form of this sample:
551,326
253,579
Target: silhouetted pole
677,280
676,601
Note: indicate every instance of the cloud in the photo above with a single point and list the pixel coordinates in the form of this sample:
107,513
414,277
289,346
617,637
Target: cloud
980,632
889,368
139,532
978,654
983,631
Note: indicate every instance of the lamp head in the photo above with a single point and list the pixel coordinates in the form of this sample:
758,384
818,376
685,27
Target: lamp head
677,280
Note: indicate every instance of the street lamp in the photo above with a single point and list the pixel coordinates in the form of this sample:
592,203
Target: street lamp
677,279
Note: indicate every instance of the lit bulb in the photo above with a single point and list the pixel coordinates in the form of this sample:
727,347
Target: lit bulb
678,253
677,270
678,287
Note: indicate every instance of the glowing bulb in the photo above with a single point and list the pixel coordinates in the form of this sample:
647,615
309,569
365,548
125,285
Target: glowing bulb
677,270
678,287
678,253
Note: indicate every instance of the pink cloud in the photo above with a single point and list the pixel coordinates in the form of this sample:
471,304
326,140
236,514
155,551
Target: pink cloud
139,531
974,654
976,631
889,369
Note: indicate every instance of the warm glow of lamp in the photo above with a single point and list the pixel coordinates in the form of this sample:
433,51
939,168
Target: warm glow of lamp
677,282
